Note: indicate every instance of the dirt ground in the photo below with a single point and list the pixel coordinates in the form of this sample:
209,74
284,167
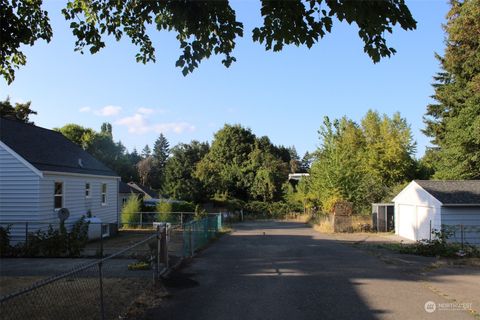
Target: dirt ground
78,295
127,238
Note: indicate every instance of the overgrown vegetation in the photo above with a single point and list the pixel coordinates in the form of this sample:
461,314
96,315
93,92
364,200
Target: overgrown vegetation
130,212
437,246
55,242
5,247
164,210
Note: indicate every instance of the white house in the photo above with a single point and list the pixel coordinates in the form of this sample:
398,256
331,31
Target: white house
41,171
425,205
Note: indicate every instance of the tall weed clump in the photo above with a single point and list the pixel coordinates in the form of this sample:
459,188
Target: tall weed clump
130,212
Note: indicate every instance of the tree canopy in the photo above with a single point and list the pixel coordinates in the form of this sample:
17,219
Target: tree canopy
202,27
19,111
180,180
453,121
240,165
101,145
361,163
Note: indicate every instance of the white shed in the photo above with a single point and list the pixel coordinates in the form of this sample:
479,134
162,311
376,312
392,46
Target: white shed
426,205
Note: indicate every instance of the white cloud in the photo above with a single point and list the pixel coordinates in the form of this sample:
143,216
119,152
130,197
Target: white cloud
135,124
108,111
85,109
145,110
138,124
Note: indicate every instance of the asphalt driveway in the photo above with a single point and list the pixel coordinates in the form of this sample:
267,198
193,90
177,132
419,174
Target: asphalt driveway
286,270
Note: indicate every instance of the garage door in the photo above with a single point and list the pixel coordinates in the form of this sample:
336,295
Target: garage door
407,221
424,215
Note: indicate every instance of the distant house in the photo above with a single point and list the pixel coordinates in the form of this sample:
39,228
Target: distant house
41,171
428,204
124,192
297,176
147,192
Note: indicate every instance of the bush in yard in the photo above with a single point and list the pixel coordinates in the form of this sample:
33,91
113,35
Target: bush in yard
130,212
439,246
164,210
5,247
257,208
57,243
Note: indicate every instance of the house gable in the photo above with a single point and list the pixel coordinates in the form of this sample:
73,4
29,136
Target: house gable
20,159
413,193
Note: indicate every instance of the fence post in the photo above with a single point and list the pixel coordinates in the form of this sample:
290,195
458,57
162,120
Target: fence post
100,276
462,234
430,233
101,241
159,239
181,220
190,239
141,220
26,234
165,245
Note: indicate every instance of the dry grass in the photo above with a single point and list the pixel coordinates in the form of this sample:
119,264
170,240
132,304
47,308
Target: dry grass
298,217
324,227
74,298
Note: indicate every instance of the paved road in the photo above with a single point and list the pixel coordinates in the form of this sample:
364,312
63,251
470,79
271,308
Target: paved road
285,270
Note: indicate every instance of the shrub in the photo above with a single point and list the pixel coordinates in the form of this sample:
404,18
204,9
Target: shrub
58,243
140,265
439,246
5,247
130,215
164,210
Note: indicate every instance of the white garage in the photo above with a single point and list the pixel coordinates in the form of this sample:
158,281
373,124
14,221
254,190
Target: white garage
426,205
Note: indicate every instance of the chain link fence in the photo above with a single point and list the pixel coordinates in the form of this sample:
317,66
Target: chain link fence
102,288
115,273
463,234
197,233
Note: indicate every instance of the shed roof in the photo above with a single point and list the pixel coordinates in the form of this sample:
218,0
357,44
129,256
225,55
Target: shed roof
453,192
49,150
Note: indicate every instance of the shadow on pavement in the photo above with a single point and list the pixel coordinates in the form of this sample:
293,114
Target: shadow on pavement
285,270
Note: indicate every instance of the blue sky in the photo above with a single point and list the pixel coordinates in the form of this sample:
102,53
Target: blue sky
283,95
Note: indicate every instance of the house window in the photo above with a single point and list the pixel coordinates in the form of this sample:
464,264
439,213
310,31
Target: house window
104,194
58,195
124,201
87,190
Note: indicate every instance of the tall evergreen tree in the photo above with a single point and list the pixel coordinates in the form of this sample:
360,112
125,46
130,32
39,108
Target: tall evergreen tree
161,151
454,120
146,152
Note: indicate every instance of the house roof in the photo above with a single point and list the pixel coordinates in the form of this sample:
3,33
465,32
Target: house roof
49,150
453,192
125,188
146,190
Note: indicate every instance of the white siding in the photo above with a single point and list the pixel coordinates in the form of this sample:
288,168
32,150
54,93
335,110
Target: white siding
75,200
19,187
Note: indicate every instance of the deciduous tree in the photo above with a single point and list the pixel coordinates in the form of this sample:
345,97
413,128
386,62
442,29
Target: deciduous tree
202,27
